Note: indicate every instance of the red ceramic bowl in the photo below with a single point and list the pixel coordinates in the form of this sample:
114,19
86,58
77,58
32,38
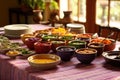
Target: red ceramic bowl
42,47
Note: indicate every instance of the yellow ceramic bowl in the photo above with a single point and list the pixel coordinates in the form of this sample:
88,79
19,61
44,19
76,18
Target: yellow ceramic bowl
44,61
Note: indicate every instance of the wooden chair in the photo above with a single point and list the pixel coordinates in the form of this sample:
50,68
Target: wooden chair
106,31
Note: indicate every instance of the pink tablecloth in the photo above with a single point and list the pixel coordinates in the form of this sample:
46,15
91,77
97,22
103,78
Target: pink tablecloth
19,69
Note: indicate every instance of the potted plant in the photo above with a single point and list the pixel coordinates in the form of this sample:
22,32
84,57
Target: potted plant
28,5
39,7
40,4
54,12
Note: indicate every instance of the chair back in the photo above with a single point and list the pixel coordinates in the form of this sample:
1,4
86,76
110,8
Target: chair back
109,32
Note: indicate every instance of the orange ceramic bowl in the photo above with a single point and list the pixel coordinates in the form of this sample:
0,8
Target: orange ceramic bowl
109,43
111,46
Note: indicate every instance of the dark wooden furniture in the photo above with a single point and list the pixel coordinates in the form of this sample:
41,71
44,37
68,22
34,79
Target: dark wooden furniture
105,31
18,12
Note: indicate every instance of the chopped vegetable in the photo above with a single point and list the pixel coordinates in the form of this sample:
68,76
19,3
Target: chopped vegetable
12,53
25,51
6,44
104,41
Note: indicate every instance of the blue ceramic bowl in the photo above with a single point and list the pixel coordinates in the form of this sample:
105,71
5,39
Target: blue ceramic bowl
65,52
86,55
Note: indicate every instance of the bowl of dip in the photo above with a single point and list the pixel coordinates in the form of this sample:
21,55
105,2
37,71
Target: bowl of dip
44,61
65,52
86,55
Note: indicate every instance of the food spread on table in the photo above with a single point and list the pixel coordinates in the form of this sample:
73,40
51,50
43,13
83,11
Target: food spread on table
41,38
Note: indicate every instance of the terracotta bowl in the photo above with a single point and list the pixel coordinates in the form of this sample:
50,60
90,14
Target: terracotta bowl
98,46
109,43
111,46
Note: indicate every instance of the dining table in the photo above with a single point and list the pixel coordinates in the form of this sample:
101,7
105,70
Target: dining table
20,69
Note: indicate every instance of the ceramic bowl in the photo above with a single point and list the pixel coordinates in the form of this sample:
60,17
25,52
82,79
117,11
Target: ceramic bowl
112,57
109,43
42,47
24,36
29,42
85,37
77,43
67,37
86,55
65,52
57,43
98,46
44,61
48,37
110,47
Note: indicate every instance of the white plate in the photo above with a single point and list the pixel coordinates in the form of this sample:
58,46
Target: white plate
16,30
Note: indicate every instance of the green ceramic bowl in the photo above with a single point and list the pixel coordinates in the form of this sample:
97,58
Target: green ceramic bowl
48,37
77,43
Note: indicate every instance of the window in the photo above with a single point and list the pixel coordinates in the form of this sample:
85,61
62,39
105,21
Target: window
108,12
78,8
92,12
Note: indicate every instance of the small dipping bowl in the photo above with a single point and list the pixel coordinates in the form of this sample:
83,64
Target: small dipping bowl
65,52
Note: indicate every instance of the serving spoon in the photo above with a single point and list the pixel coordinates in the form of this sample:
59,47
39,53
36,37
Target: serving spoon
111,34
